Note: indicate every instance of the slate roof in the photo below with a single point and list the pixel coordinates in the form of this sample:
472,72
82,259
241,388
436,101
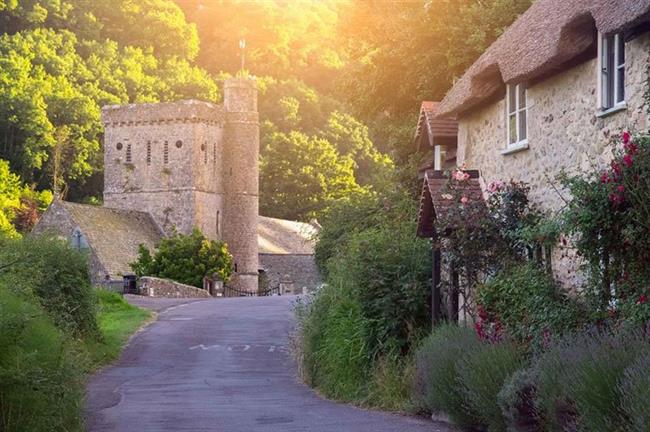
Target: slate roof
114,235
430,127
432,203
283,237
544,39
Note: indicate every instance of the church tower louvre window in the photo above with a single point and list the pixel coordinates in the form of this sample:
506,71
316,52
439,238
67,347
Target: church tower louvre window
148,152
166,152
214,153
128,153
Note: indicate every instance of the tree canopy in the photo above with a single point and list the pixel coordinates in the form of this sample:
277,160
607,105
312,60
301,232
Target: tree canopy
340,78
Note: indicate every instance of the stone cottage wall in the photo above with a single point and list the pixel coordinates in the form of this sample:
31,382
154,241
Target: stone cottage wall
564,131
156,287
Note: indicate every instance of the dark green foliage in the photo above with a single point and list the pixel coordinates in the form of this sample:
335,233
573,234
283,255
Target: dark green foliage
635,390
50,271
437,385
579,378
528,304
607,217
333,335
40,382
186,259
482,374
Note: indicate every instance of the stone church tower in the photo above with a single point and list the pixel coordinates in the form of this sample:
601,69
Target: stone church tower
191,164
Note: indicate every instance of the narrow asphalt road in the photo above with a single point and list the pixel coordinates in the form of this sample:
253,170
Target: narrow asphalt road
221,365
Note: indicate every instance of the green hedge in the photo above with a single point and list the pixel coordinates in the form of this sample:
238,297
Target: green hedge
50,271
40,379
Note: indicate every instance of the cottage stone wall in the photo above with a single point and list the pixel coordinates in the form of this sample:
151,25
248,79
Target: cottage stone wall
564,131
301,269
156,287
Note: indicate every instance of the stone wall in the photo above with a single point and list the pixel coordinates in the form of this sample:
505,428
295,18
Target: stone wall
156,287
564,132
301,269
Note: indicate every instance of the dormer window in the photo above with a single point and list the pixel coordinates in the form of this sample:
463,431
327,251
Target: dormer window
611,62
517,110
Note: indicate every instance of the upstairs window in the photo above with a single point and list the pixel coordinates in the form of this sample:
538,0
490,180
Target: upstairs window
612,71
517,107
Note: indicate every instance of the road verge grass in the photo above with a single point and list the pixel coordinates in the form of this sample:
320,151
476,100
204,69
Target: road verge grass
118,321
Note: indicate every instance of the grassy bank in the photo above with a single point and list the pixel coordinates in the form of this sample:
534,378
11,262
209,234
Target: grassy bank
117,320
55,329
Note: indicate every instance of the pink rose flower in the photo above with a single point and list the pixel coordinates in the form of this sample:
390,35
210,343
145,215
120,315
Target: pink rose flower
464,200
626,137
627,160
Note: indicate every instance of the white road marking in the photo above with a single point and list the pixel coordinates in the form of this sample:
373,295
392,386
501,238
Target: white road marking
180,319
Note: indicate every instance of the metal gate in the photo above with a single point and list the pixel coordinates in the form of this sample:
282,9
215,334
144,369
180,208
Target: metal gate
234,292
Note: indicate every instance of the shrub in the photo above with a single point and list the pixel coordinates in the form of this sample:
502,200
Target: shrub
40,385
186,259
390,382
606,217
49,270
482,373
517,401
579,377
437,386
332,335
528,304
635,393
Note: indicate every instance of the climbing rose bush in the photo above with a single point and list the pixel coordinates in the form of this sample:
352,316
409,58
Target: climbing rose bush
608,217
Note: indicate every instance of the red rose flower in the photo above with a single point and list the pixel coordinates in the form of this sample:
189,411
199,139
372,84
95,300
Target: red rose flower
604,177
642,299
627,160
620,188
626,137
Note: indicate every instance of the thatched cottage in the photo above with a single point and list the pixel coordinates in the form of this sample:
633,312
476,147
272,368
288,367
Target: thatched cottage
544,97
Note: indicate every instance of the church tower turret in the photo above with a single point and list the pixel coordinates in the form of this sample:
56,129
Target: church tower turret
241,180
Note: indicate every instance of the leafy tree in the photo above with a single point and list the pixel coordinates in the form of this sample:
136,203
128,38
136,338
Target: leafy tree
302,175
285,39
18,202
186,259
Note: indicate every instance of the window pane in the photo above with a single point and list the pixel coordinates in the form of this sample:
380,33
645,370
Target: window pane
620,93
620,42
512,128
522,96
512,94
522,125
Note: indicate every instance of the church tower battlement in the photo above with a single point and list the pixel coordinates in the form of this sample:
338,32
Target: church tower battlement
191,164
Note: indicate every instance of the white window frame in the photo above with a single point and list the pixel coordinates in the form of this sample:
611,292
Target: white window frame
608,85
519,143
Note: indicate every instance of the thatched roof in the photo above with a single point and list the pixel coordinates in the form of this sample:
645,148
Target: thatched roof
430,127
433,203
284,237
545,38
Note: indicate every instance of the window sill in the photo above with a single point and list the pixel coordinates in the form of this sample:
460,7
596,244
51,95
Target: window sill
515,148
613,110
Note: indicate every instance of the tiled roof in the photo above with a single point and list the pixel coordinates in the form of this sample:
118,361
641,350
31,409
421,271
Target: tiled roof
114,235
435,127
284,237
432,203
544,39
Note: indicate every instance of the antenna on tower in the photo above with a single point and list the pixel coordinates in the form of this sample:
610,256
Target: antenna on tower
242,46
